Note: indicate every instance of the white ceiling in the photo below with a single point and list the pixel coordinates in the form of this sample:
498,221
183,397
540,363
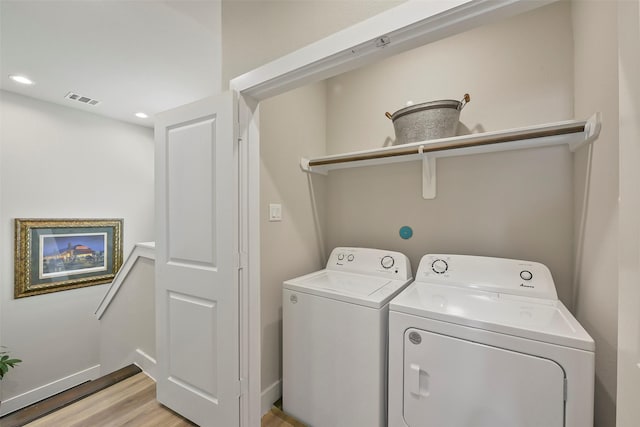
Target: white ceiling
132,56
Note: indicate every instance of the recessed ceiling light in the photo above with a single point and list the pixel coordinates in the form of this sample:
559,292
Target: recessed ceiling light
141,115
21,79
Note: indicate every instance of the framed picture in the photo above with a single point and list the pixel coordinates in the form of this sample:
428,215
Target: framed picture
59,254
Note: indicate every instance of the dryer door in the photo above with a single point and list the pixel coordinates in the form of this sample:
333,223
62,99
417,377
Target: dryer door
451,382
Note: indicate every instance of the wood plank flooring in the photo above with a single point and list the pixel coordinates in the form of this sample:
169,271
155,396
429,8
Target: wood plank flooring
277,418
47,406
131,402
128,403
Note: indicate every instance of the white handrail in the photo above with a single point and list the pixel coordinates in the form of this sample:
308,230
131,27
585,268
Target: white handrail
140,250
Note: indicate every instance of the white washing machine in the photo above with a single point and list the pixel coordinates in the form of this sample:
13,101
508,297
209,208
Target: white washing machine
334,366
484,342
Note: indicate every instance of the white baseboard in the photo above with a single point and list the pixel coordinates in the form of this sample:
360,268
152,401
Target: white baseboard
146,363
39,393
270,395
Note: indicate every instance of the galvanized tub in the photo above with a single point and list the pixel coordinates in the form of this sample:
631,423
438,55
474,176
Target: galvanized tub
429,120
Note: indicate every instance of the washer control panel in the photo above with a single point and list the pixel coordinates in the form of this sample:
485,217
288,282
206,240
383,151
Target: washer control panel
502,275
387,262
439,266
376,262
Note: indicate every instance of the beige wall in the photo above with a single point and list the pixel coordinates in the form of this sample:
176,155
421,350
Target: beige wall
292,125
129,323
255,32
521,204
44,147
628,390
515,204
293,246
596,89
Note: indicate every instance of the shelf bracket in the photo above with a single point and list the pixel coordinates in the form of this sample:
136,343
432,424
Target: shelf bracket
591,131
428,175
594,125
304,165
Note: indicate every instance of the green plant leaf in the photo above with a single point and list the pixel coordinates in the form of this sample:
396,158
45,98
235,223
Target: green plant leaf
6,363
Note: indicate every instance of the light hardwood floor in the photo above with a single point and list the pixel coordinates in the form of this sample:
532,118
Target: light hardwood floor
132,403
276,418
128,403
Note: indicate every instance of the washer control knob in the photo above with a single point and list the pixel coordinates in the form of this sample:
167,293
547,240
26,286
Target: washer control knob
526,275
439,266
340,257
350,257
387,261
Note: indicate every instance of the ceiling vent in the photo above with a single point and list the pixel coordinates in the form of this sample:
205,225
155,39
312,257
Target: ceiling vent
83,99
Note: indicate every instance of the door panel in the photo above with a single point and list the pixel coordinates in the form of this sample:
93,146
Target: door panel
191,196
196,277
451,382
189,347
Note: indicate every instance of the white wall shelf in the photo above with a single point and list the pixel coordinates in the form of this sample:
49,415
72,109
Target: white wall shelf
574,133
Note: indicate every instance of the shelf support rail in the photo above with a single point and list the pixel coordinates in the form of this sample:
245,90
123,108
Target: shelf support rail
574,133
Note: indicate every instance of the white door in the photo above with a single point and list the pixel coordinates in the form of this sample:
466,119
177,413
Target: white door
196,273
453,382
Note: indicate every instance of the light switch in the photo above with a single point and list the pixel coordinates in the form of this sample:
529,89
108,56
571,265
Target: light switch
275,212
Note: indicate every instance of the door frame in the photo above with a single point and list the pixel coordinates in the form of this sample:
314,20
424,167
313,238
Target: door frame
404,27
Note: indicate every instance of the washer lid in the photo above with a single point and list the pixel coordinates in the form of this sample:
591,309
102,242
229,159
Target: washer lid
533,318
360,289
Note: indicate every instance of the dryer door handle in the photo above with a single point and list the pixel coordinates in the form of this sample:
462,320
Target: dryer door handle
417,380
414,379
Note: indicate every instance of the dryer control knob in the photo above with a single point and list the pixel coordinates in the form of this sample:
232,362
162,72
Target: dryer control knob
387,261
526,275
439,266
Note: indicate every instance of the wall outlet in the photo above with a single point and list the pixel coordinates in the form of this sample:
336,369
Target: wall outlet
275,212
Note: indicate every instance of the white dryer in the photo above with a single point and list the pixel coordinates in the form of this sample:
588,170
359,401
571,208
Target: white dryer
485,342
335,338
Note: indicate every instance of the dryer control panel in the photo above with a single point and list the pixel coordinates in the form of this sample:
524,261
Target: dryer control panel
501,275
373,262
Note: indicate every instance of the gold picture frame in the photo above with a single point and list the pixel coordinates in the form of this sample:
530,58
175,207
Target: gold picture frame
54,255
